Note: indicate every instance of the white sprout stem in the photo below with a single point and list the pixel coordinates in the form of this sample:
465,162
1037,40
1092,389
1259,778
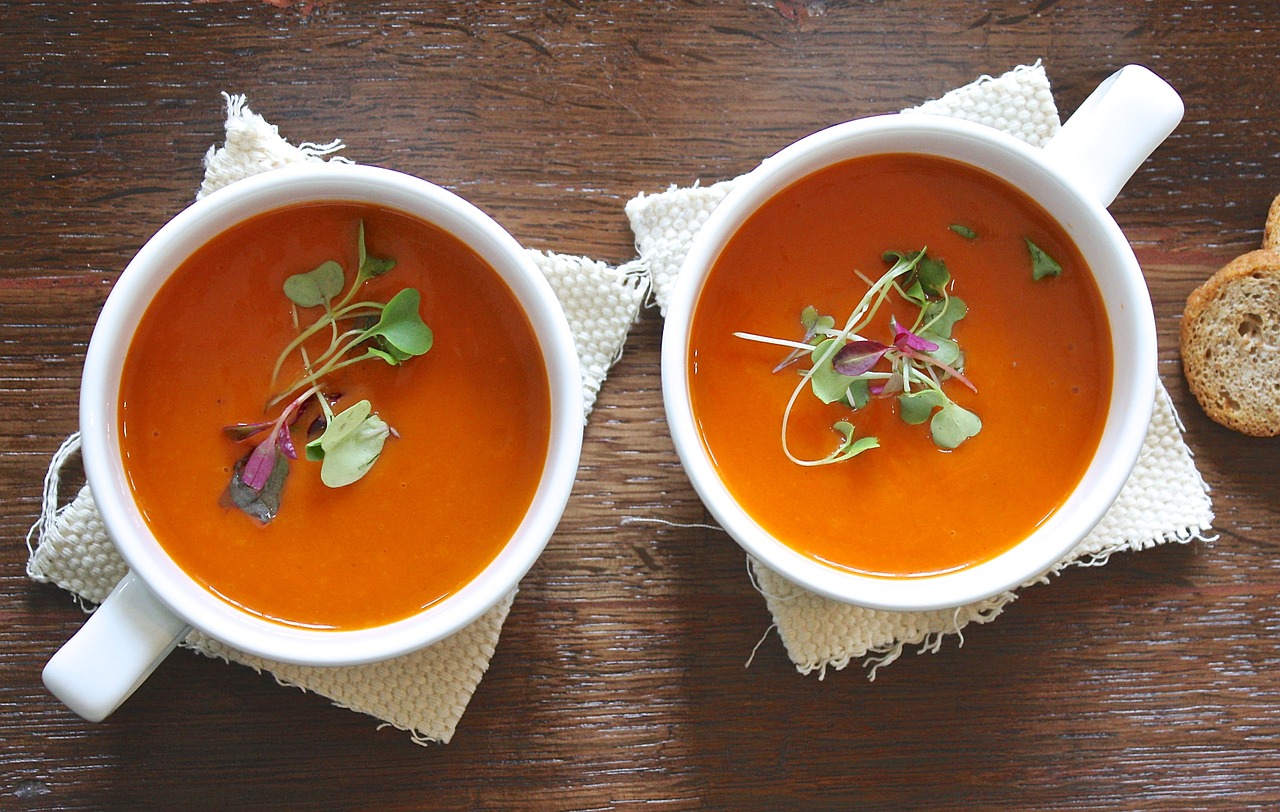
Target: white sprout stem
925,376
878,292
780,342
873,376
786,414
329,364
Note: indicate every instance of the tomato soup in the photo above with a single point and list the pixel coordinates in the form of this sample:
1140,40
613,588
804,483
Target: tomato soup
471,421
1038,353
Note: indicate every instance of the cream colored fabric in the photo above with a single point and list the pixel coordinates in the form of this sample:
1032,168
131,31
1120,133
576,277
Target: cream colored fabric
1165,499
425,692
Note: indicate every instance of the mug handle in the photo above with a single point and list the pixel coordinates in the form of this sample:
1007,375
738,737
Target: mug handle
1114,131
117,648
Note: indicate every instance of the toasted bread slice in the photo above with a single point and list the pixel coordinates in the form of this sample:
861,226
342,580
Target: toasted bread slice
1231,340
1271,234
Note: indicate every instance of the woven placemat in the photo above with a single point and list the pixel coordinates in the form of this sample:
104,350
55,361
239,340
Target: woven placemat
426,692
1165,499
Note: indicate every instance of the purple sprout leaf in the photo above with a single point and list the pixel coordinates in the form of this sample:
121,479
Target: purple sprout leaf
909,342
243,431
261,504
858,357
259,465
284,441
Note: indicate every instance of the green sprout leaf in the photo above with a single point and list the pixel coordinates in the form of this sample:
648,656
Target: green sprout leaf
928,278
964,231
368,266
933,275
941,317
315,287
952,425
859,394
342,424
814,323
829,386
915,407
351,457
1042,265
349,445
389,354
948,351
851,447
401,328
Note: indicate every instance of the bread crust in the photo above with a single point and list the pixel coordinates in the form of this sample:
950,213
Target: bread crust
1271,232
1230,339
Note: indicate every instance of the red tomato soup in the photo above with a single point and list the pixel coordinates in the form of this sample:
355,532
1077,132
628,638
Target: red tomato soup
471,419
1038,353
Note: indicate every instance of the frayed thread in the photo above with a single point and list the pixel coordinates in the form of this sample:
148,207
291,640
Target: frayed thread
49,508
759,643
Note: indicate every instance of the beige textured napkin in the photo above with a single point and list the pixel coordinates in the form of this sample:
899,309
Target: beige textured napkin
1164,500
425,692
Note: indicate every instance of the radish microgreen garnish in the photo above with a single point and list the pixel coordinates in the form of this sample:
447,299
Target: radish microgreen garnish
963,231
346,443
350,444
1042,264
849,368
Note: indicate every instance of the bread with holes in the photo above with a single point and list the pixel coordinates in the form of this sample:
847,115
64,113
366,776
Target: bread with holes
1231,342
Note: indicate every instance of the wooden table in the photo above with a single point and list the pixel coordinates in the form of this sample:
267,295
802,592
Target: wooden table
621,675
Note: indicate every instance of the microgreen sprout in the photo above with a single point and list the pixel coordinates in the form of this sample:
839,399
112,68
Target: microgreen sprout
1042,265
346,443
849,368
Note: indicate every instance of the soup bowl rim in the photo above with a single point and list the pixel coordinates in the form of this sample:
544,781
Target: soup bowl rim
152,265
1129,314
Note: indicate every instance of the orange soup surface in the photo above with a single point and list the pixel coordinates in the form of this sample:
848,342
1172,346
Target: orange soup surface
1038,353
471,419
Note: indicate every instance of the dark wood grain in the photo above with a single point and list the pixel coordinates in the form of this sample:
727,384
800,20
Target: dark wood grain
621,677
